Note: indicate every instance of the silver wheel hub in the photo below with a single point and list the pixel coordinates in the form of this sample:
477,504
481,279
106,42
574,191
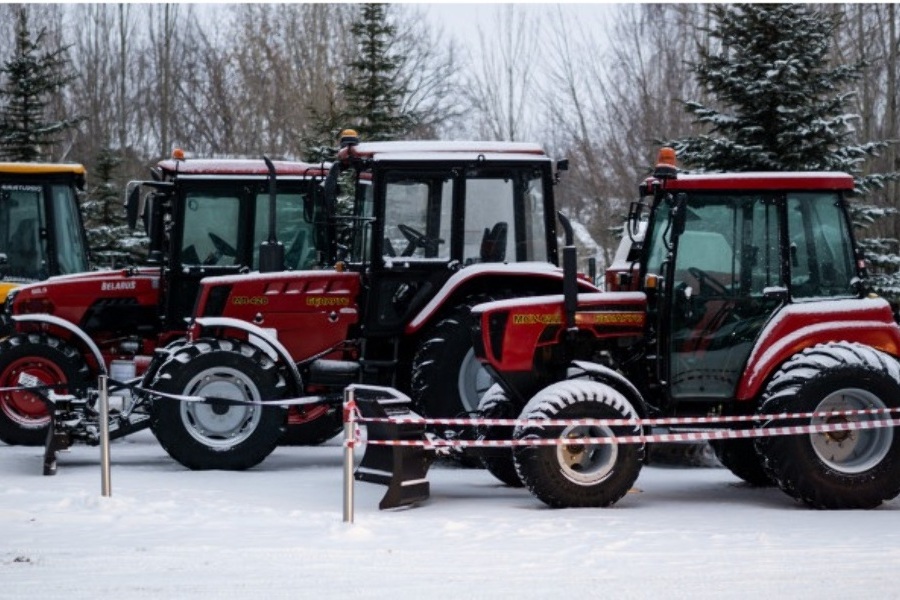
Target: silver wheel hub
219,424
586,464
473,381
854,451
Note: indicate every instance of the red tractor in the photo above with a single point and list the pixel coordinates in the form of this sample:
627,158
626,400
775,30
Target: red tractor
420,232
746,298
204,218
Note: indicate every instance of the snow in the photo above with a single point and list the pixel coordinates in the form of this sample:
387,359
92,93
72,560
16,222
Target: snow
276,531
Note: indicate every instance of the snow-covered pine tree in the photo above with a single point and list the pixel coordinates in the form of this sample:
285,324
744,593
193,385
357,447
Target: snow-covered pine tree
374,96
112,243
781,105
33,77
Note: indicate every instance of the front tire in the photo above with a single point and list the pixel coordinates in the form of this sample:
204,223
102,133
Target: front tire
495,404
24,416
844,469
211,435
578,474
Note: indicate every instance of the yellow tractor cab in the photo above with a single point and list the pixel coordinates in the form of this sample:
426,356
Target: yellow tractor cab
41,231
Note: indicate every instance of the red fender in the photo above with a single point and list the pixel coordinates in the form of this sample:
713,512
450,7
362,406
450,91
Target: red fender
798,326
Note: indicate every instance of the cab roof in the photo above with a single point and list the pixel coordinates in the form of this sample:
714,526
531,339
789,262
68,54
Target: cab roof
25,168
420,149
795,180
237,166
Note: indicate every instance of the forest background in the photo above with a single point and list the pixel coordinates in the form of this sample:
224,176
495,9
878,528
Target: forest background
137,80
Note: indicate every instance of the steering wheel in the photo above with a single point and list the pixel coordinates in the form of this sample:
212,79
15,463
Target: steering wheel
705,279
223,248
417,239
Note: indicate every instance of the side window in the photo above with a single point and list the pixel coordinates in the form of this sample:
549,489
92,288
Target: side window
821,255
414,223
70,251
210,230
489,223
22,221
292,230
535,234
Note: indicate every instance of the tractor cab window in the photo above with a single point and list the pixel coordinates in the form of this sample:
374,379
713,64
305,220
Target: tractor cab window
71,254
821,253
293,229
725,260
504,217
417,216
211,225
21,222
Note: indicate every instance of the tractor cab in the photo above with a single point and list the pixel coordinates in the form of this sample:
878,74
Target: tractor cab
41,233
421,211
208,217
725,254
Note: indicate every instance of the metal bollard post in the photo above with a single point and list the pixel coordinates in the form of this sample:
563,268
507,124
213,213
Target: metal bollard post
106,488
349,433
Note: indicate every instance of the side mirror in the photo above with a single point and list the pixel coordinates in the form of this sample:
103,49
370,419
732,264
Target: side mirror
4,263
132,203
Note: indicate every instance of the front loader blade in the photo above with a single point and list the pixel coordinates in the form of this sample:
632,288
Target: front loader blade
401,468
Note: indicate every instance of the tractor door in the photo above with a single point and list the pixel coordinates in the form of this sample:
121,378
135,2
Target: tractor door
412,244
726,280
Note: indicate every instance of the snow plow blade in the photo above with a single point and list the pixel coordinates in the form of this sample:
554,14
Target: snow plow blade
401,468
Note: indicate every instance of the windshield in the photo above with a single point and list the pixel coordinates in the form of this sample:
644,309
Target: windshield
24,232
474,215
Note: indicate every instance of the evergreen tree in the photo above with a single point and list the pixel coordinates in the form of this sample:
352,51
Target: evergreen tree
112,243
784,106
33,78
373,96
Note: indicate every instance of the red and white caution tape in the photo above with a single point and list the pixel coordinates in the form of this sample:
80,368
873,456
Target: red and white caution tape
713,434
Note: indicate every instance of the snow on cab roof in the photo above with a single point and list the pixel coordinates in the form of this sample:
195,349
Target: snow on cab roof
238,166
763,180
432,146
469,156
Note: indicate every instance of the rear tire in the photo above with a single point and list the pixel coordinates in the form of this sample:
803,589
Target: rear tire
447,380
741,458
224,436
578,475
24,416
315,431
838,470
495,404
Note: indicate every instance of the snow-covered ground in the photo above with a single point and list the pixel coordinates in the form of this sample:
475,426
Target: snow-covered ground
277,532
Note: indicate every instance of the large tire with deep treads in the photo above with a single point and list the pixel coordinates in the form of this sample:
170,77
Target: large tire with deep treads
447,379
495,404
578,474
838,470
314,431
741,458
24,416
211,435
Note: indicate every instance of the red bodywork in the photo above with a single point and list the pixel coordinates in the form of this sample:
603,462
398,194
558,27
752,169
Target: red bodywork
310,311
797,326
127,299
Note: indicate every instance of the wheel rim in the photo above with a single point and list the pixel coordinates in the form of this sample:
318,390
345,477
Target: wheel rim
474,380
28,409
217,424
586,464
854,451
